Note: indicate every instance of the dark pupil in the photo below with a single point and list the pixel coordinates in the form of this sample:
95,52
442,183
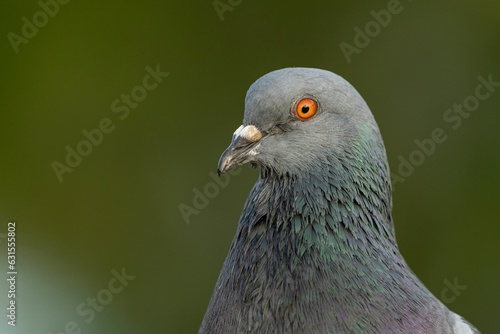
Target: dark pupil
305,109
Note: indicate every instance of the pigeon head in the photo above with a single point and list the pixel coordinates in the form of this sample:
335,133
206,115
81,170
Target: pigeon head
301,119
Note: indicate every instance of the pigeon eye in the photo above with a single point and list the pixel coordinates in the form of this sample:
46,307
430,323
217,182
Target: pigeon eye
306,108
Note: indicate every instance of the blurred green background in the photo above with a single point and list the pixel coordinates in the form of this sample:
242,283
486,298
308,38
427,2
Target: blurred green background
119,208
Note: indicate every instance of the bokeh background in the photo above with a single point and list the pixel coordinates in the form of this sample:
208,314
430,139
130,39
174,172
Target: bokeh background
119,208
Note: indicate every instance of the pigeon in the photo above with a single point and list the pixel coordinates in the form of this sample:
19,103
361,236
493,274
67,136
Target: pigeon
315,248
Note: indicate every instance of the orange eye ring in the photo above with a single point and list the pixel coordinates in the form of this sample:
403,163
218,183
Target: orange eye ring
306,108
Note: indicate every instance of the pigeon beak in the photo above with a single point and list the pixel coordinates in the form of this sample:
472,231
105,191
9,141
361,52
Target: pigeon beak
245,138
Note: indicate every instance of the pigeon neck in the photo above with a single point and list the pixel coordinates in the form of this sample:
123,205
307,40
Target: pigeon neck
331,202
